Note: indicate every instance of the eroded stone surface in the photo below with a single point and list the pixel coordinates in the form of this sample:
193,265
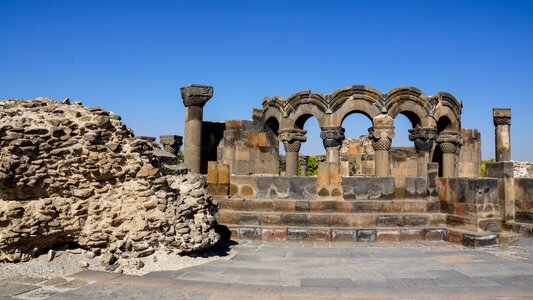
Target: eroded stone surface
75,174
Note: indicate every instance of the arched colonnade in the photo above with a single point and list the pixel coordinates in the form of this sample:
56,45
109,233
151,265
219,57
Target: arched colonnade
434,119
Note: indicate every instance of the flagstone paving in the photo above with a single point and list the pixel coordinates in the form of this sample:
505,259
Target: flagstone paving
294,270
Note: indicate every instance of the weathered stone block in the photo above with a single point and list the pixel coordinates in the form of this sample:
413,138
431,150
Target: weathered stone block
319,234
343,235
435,234
218,189
318,219
270,219
297,234
366,235
322,206
375,188
250,233
301,206
212,172
284,206
363,220
223,174
323,174
340,220
455,237
415,188
272,187
247,219
262,139
412,234
476,241
302,188
292,219
388,235
274,234
262,205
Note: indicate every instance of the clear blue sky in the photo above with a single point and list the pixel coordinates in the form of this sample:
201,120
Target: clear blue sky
131,57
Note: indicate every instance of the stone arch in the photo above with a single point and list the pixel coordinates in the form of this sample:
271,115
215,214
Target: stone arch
351,106
303,112
445,114
272,123
410,102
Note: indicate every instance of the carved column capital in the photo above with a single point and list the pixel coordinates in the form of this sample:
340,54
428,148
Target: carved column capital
501,116
292,138
196,95
449,141
423,139
381,137
171,143
303,161
332,137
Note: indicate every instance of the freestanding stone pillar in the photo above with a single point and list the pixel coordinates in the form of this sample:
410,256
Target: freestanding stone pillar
292,141
194,98
332,138
171,143
381,138
303,166
423,139
502,121
448,142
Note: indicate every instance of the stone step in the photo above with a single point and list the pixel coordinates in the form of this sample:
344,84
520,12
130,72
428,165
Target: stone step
345,206
336,234
473,239
269,218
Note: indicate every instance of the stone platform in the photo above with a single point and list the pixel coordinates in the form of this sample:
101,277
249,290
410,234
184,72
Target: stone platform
361,220
314,270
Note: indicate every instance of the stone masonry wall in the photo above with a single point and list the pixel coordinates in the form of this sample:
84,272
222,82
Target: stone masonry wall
71,174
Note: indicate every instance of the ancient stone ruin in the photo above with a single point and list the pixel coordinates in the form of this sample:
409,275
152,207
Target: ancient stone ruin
364,191
75,175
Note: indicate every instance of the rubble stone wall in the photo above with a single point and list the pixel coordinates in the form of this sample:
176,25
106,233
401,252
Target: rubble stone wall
523,169
75,174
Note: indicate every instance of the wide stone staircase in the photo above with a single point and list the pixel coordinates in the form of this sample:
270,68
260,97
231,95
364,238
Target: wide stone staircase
361,209
366,220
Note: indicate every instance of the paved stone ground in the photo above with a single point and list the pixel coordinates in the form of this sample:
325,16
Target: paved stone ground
295,270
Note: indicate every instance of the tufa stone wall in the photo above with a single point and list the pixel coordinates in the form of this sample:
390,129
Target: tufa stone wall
71,174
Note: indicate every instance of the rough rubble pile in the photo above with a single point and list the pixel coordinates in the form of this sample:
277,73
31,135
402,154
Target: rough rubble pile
523,169
76,175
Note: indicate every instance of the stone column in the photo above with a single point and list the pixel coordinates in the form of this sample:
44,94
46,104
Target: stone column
282,165
448,142
292,141
194,98
332,138
171,143
423,139
303,166
381,138
502,122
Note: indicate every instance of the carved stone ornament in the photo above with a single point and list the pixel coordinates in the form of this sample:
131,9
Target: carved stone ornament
501,116
423,138
303,161
332,137
196,95
292,138
381,137
449,141
502,121
171,143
